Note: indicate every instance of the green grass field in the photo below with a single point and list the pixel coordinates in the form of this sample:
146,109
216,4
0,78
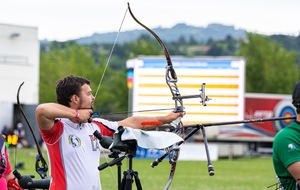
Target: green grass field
235,174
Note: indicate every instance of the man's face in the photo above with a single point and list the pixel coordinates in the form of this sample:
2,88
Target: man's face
86,97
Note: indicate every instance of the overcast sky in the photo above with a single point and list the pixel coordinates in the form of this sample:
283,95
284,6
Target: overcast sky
69,19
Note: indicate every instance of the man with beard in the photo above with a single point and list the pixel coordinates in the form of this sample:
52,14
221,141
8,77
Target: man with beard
67,129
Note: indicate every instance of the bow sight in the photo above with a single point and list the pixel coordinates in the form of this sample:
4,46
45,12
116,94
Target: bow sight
203,98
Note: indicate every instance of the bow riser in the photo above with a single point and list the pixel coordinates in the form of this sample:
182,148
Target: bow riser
171,80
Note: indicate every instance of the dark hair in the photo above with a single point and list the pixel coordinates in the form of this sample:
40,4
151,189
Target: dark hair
67,87
296,95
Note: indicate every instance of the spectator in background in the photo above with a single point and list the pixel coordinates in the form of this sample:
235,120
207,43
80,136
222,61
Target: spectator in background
20,132
5,131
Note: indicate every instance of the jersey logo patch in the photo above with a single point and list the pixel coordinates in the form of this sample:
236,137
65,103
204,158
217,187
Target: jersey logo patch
74,141
95,143
292,147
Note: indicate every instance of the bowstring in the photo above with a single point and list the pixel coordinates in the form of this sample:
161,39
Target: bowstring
110,54
102,77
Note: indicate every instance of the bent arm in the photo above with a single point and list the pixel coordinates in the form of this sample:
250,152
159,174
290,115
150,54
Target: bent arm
48,112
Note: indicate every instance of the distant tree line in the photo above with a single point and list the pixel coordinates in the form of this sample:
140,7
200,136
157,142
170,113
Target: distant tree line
272,64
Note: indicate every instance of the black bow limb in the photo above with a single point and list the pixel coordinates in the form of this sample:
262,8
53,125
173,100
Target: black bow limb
41,166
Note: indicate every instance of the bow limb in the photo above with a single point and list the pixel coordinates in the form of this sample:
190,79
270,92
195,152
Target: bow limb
171,80
170,76
168,58
173,154
41,166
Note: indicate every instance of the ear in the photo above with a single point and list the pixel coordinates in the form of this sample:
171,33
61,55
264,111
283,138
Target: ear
75,99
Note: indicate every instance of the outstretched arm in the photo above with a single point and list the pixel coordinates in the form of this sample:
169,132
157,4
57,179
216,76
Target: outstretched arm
136,121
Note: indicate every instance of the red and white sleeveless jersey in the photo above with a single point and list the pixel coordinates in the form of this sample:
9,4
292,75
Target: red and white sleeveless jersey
74,153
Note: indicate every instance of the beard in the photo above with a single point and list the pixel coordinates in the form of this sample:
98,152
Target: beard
81,106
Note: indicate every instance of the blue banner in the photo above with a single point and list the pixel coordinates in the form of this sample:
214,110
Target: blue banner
148,153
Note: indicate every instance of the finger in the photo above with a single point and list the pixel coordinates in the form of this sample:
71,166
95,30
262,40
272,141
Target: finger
181,114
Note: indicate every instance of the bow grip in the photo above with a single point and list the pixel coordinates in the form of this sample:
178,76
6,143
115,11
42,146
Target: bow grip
176,122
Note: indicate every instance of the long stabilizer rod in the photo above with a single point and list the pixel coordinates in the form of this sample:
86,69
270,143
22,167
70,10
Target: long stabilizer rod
201,126
238,122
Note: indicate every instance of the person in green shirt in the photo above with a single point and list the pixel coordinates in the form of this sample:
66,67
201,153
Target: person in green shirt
286,150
